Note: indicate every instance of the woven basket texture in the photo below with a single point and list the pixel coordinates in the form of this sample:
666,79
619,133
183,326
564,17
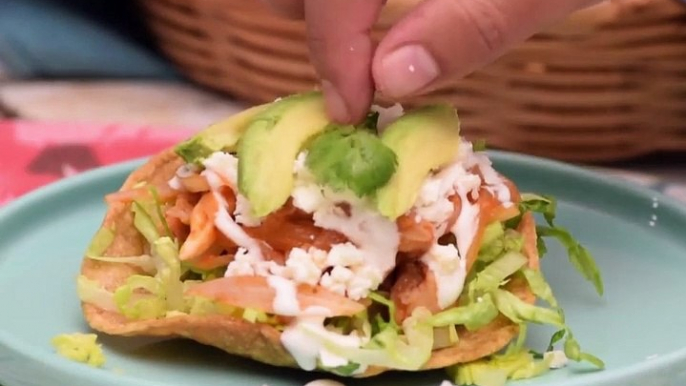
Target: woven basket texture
607,84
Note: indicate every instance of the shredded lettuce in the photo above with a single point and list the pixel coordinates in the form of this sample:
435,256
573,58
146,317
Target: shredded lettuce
493,276
344,157
103,239
495,371
573,352
492,232
100,242
197,305
472,316
445,336
520,311
499,241
346,370
158,211
579,256
203,275
81,348
545,205
532,369
161,293
145,262
479,373
150,297
514,363
556,337
388,348
168,264
453,338
518,345
140,298
144,223
379,323
255,316
572,349
539,286
90,291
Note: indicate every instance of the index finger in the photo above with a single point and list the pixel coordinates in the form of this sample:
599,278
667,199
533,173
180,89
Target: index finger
341,50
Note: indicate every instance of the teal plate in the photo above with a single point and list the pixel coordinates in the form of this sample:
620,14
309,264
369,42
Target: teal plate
638,327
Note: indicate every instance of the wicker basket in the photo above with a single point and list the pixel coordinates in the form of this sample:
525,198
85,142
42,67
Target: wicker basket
608,84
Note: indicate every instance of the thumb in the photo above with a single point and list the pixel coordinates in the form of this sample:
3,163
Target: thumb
443,39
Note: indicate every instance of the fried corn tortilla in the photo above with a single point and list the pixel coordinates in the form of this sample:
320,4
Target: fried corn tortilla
234,335
278,236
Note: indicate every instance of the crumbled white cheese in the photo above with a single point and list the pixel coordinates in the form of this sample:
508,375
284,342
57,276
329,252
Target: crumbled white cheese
307,197
336,281
349,275
345,254
359,266
494,183
247,263
387,115
307,194
306,266
365,280
374,240
432,202
242,264
225,165
376,236
464,178
557,359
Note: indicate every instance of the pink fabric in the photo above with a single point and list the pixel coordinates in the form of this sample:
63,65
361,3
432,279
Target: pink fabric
33,154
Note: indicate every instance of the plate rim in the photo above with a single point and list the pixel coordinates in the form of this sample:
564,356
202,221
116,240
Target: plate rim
54,363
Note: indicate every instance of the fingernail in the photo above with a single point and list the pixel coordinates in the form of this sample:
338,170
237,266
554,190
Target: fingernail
335,105
406,70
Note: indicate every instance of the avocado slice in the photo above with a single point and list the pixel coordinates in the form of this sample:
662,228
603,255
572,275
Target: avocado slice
424,139
222,135
270,145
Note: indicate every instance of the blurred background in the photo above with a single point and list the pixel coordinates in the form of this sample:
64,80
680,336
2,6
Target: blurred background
605,88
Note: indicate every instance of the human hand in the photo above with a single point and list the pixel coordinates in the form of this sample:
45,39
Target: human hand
437,41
